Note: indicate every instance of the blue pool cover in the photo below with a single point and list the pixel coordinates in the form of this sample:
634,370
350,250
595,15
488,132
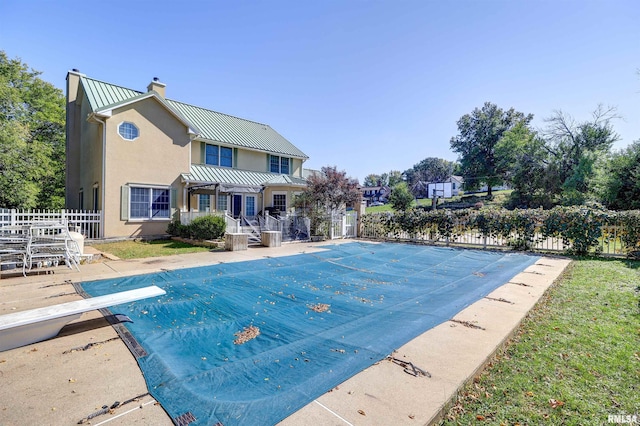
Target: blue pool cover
322,317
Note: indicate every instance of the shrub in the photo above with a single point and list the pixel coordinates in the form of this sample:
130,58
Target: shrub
207,227
177,229
202,228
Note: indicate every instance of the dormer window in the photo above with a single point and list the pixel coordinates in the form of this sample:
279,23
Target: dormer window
128,131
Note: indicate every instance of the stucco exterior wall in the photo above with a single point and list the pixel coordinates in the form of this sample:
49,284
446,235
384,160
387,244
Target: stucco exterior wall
296,169
252,160
157,157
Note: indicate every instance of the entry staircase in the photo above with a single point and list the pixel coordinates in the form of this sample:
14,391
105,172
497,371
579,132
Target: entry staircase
292,227
251,226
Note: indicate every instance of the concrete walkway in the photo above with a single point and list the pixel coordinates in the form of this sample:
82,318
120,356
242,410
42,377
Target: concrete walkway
87,367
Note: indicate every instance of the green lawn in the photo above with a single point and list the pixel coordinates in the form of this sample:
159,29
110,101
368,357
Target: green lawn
574,361
140,249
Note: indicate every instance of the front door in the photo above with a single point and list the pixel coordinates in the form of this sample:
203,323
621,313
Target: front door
237,205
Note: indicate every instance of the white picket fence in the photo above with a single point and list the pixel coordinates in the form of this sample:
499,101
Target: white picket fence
344,225
85,222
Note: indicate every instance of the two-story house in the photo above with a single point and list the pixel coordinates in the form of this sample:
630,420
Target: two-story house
375,194
140,158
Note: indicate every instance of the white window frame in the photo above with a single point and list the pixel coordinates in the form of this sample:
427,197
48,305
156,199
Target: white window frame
226,202
206,197
273,200
134,126
246,204
219,155
279,161
95,198
150,216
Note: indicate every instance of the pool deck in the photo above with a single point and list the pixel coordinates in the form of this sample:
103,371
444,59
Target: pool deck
65,380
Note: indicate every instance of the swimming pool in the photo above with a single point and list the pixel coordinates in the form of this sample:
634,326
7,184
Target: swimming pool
252,342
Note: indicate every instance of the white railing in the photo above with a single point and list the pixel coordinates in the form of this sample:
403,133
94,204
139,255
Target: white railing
83,221
233,225
271,223
187,217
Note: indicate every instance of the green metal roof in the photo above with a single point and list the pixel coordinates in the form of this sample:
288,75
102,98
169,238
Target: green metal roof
203,174
218,127
101,94
210,125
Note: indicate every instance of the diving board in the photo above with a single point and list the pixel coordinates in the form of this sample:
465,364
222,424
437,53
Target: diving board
26,327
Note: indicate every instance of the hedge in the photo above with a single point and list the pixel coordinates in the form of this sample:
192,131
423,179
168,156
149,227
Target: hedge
581,229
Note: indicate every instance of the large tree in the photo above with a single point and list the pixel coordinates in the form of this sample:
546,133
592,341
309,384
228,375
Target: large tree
478,134
429,170
618,181
390,179
575,149
326,192
32,138
522,156
372,180
331,190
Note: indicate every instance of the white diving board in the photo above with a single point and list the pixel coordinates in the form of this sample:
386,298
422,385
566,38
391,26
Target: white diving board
26,327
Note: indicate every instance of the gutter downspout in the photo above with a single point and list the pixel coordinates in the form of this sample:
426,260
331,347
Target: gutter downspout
104,171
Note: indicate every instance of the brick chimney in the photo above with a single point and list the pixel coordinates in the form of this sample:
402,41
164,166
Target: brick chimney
157,86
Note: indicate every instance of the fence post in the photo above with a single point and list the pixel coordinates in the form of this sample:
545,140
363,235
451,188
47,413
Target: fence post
101,225
14,215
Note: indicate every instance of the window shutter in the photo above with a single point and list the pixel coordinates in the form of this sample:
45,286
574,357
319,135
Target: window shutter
290,166
203,153
268,162
235,158
124,202
174,198
174,204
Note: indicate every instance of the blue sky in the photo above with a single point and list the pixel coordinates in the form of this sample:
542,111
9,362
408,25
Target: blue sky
367,86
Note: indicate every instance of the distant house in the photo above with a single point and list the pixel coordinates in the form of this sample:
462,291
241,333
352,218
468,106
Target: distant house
141,158
456,184
373,194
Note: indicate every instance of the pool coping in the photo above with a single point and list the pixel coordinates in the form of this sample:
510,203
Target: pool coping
80,382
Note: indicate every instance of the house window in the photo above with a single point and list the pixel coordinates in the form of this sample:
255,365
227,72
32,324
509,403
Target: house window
226,157
279,164
223,204
128,131
218,156
96,195
275,164
204,203
284,165
280,202
81,199
149,203
250,205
